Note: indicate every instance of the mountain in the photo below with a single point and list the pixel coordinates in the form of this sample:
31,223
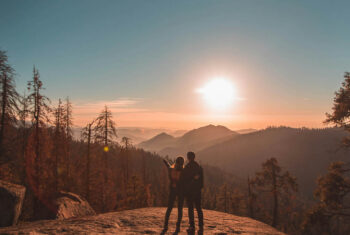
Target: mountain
306,153
204,134
194,140
158,142
136,134
142,221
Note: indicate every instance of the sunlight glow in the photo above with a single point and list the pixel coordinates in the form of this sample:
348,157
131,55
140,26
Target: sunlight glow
219,93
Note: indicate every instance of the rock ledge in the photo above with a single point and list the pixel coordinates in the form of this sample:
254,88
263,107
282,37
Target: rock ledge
142,221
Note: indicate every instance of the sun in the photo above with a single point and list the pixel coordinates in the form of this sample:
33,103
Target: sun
219,93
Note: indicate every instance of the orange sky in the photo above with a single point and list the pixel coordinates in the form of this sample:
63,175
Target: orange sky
128,113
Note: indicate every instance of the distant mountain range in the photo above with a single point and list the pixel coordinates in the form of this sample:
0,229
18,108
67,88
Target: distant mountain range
136,134
194,140
306,153
141,134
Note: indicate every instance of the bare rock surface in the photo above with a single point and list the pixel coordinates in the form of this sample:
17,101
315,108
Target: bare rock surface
11,201
142,221
70,205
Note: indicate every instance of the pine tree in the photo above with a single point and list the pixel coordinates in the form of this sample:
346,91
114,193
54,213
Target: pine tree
23,134
67,123
39,143
341,108
126,145
105,130
58,140
87,135
333,189
332,212
137,195
39,110
237,203
144,170
251,199
105,133
223,198
272,180
8,102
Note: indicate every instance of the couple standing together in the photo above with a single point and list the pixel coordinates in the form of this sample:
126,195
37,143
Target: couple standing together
185,183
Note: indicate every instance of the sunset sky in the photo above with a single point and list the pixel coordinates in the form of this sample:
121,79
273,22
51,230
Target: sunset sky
151,61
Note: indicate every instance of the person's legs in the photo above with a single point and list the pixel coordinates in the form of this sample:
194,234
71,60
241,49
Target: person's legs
179,211
198,204
190,202
171,200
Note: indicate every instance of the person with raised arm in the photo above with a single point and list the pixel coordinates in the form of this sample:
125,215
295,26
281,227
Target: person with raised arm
175,191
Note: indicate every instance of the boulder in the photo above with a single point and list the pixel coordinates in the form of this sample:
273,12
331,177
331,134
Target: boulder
11,201
70,205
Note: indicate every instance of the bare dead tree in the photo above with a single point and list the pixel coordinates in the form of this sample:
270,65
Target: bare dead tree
68,123
87,135
106,134
8,103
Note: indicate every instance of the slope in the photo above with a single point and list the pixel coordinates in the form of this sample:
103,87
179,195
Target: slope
304,152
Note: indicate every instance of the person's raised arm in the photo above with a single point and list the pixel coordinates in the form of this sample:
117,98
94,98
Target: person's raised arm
166,163
168,167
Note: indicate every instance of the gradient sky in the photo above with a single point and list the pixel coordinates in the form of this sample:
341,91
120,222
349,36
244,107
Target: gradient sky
145,59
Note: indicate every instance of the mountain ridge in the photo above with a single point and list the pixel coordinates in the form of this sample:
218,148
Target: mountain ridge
306,153
193,140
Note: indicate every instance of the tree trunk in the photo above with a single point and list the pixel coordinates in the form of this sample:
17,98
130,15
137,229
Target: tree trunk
88,165
68,117
57,144
105,162
3,116
144,170
37,156
275,198
56,167
250,200
225,199
67,163
127,164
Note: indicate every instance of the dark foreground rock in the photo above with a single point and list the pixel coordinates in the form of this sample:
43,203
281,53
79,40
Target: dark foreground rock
142,221
70,205
11,201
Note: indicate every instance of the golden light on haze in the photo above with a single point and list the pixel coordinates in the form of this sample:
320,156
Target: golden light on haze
218,93
106,149
208,97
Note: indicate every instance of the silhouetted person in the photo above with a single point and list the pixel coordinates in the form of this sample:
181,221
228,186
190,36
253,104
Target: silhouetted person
176,191
192,179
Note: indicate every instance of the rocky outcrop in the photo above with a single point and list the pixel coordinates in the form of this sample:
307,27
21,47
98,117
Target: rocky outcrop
70,205
142,221
11,201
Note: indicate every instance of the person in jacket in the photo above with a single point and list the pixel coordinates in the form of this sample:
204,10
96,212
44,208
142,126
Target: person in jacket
192,178
175,191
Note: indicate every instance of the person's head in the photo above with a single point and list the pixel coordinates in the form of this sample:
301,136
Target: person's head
179,162
191,156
